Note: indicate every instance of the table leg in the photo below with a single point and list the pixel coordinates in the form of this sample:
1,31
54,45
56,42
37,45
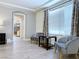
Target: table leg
47,43
55,39
39,41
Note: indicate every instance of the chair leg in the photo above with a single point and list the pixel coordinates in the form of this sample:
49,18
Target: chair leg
55,49
60,54
76,56
31,41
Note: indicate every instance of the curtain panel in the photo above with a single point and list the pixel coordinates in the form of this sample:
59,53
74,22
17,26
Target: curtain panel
75,20
45,26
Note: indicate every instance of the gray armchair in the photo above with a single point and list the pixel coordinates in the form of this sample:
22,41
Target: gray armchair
67,45
35,37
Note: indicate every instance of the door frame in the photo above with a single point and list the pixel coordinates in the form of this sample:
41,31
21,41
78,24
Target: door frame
18,13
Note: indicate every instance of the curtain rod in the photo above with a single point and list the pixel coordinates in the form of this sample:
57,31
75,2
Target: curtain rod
49,8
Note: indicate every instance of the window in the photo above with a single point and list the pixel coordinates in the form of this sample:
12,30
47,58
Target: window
60,20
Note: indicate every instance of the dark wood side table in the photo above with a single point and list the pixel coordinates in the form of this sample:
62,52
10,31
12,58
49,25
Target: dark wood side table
2,38
46,39
41,37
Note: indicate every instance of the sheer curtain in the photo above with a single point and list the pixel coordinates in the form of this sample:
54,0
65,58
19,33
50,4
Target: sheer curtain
60,20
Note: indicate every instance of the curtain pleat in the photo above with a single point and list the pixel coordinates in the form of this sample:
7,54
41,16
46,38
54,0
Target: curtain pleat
45,26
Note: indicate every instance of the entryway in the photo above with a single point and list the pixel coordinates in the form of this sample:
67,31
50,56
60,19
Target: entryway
19,25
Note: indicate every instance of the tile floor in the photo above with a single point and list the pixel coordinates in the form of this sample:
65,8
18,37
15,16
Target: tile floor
19,49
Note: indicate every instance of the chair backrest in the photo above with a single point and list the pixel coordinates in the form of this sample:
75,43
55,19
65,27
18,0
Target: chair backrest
65,39
39,34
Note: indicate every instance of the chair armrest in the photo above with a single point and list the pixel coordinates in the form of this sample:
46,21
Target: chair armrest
72,41
72,46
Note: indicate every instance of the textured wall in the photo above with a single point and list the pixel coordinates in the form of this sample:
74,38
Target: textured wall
39,21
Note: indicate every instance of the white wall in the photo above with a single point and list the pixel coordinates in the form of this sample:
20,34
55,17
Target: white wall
39,21
6,15
30,25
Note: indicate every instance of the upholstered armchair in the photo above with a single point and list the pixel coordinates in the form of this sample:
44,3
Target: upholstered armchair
35,37
67,45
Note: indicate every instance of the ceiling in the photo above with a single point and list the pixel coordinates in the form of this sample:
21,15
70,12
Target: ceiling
25,4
